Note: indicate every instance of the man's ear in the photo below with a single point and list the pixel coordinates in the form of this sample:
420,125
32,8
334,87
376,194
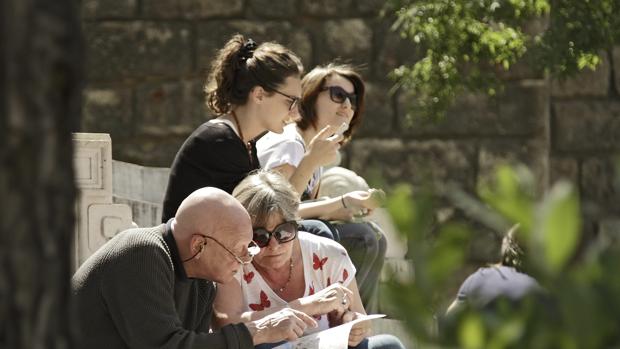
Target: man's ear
198,244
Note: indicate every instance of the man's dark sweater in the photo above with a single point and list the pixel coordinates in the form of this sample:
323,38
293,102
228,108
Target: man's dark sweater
134,293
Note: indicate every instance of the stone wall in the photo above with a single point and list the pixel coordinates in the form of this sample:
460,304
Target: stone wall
147,60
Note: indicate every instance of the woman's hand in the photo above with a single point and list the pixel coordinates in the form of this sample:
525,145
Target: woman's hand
324,151
359,331
341,214
335,298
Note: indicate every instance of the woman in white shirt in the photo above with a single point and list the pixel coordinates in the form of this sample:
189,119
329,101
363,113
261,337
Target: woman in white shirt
332,96
294,269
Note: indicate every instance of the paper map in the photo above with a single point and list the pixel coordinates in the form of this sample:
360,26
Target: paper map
332,338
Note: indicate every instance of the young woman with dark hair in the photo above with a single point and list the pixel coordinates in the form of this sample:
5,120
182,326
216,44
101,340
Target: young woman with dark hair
252,89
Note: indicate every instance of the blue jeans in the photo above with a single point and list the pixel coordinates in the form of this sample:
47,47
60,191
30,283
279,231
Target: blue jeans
320,228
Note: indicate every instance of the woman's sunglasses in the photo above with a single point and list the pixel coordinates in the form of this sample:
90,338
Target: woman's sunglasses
284,232
339,95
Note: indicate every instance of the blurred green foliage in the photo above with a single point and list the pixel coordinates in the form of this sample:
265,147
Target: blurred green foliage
581,303
465,45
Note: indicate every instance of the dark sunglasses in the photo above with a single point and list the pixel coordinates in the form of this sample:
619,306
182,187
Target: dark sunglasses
284,232
339,95
293,100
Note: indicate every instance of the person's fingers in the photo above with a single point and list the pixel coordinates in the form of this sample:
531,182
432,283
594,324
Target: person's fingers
347,292
337,138
325,132
305,319
348,316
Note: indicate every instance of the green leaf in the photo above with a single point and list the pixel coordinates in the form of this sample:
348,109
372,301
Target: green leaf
471,332
559,225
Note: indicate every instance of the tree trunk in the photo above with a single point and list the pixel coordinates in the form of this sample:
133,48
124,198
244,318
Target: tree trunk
41,53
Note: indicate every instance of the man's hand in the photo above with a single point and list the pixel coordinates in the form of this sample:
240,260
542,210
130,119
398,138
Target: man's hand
359,331
286,324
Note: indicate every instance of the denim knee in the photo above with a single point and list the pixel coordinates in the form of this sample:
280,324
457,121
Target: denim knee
319,228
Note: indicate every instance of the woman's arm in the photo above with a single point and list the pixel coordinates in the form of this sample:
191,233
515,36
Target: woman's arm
228,306
320,151
362,329
339,208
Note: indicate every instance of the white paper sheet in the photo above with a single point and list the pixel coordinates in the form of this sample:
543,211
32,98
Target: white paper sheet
332,338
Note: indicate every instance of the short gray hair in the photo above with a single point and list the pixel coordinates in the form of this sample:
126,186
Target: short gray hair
263,193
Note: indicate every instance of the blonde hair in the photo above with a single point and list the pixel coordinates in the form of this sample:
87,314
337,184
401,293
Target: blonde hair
264,193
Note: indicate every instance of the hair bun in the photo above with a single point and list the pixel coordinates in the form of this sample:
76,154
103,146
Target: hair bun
247,50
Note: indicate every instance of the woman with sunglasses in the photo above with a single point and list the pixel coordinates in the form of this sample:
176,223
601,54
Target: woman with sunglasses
253,89
293,269
332,95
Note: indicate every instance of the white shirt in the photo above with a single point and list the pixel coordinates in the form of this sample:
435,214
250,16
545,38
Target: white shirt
325,262
275,150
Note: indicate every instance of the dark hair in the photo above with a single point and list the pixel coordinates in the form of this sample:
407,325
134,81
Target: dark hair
313,83
240,65
512,252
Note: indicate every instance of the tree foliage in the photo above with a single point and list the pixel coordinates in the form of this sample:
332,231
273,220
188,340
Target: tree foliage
582,290
467,44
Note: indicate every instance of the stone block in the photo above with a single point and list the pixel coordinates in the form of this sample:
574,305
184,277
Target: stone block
369,7
586,83
416,162
531,153
274,9
586,126
300,42
191,8
93,9
563,168
140,183
98,219
170,108
522,110
609,232
148,151
123,50
349,40
379,116
616,63
212,35
107,110
392,51
145,214
600,184
325,7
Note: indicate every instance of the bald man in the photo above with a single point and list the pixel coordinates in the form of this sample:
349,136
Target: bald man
154,287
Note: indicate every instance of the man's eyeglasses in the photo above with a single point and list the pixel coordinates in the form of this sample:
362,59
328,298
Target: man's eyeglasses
253,250
294,100
284,232
339,95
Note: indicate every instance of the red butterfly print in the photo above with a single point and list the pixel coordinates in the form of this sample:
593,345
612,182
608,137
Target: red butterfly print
318,263
264,303
345,275
311,290
248,277
329,281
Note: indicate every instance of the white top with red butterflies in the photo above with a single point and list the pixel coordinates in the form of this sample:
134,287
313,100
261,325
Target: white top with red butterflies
325,262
